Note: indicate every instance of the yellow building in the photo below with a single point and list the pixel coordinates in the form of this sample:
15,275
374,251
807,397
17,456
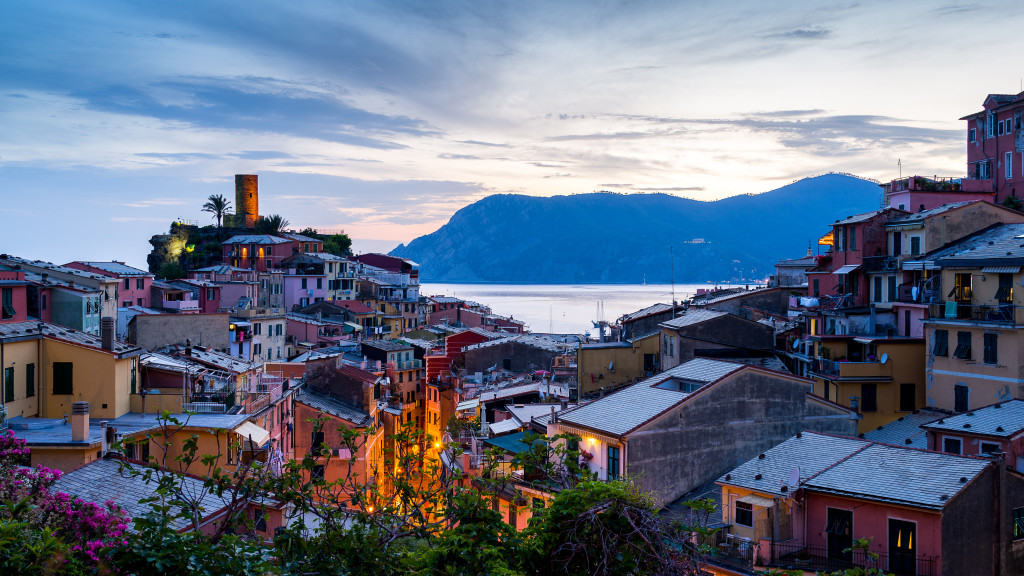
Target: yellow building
881,377
610,364
975,346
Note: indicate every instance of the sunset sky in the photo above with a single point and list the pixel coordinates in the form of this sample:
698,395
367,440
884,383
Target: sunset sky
384,118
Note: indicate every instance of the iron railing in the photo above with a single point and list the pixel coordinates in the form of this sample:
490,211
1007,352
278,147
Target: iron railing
795,555
995,313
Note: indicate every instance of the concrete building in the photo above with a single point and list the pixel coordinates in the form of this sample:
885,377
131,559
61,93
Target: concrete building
524,353
153,331
673,433
108,286
606,365
700,332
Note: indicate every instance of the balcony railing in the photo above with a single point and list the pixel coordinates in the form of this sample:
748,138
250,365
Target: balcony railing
880,263
793,554
204,407
993,313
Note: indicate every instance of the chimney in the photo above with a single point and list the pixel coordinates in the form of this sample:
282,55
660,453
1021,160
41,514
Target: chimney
80,422
105,445
45,276
107,325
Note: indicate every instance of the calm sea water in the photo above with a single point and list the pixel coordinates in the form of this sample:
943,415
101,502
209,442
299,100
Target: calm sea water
564,308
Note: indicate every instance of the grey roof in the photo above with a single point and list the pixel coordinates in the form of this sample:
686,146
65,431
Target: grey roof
899,475
118,268
31,330
702,370
531,340
42,266
220,360
623,410
779,326
221,269
1002,243
652,309
692,317
919,216
300,237
810,452
906,427
334,407
140,421
388,345
103,481
1002,420
804,262
867,216
525,412
256,239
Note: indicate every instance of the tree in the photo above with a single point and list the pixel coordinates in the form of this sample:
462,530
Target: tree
217,205
273,224
338,244
1013,203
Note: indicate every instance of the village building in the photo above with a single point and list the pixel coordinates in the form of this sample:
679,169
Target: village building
995,163
703,332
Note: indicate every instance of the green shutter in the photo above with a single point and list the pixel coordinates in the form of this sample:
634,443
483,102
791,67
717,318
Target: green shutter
8,385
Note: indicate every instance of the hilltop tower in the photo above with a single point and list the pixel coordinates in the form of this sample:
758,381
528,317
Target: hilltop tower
247,200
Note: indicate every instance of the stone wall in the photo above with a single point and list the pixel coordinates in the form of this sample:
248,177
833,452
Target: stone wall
152,331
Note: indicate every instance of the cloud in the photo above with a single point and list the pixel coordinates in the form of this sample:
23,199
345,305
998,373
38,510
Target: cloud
480,143
449,156
952,9
803,34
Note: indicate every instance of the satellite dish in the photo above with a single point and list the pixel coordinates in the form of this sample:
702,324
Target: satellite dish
794,476
796,344
885,358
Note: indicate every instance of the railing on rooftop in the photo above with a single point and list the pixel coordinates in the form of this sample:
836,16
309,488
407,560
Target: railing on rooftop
204,407
795,554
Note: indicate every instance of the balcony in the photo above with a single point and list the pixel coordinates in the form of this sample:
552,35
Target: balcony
835,370
1003,313
793,554
880,264
977,185
181,305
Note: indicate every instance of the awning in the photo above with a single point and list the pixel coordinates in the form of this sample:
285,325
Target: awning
249,430
1001,270
505,426
756,500
846,269
355,327
468,405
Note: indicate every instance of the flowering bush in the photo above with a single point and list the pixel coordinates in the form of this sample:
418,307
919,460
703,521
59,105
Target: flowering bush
80,529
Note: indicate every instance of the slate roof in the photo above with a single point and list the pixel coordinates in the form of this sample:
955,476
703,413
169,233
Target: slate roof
334,407
300,237
1002,243
899,475
524,412
219,360
355,306
652,309
859,469
256,239
1001,420
804,262
30,331
692,317
388,345
531,340
116,268
623,410
867,216
922,215
906,427
103,480
62,269
697,370
810,452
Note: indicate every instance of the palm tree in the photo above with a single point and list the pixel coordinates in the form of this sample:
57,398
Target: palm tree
272,224
217,205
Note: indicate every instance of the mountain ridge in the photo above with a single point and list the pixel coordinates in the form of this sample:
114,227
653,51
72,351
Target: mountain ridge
604,237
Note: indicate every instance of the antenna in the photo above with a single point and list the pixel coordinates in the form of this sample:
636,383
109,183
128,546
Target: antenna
672,268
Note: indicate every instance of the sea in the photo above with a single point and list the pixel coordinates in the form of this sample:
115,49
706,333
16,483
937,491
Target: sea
566,308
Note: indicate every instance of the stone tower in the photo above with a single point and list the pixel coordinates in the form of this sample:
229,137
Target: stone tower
247,200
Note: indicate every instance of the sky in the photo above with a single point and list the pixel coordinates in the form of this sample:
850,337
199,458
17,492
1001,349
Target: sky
381,119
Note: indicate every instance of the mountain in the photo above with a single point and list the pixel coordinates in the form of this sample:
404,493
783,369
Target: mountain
619,238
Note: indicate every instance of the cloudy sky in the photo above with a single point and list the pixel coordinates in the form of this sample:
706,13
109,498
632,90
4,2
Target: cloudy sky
383,118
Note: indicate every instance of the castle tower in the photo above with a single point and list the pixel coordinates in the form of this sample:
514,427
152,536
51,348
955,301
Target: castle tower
247,200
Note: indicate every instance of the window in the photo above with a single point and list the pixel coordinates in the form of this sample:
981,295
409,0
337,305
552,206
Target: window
269,263
127,284
134,377
845,244
877,296
512,515
538,504
318,440
671,345
972,135
960,398
983,170
963,345
1009,165
8,303
744,515
991,345
897,244
317,474
891,289
63,378
868,397
8,384
940,344
1018,523
999,128
951,445
613,463
126,303
989,448
139,300
30,380
990,124
140,283
817,292
259,520
303,283
210,294
1005,292
853,237
908,397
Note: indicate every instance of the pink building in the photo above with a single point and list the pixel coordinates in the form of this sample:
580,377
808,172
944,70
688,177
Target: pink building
995,431
134,289
995,163
301,290
917,193
808,499
13,295
260,252
238,294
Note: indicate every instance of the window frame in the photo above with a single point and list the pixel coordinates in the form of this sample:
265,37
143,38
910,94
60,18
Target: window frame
1017,517
982,445
747,510
613,457
869,397
940,343
990,346
946,440
63,378
963,345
